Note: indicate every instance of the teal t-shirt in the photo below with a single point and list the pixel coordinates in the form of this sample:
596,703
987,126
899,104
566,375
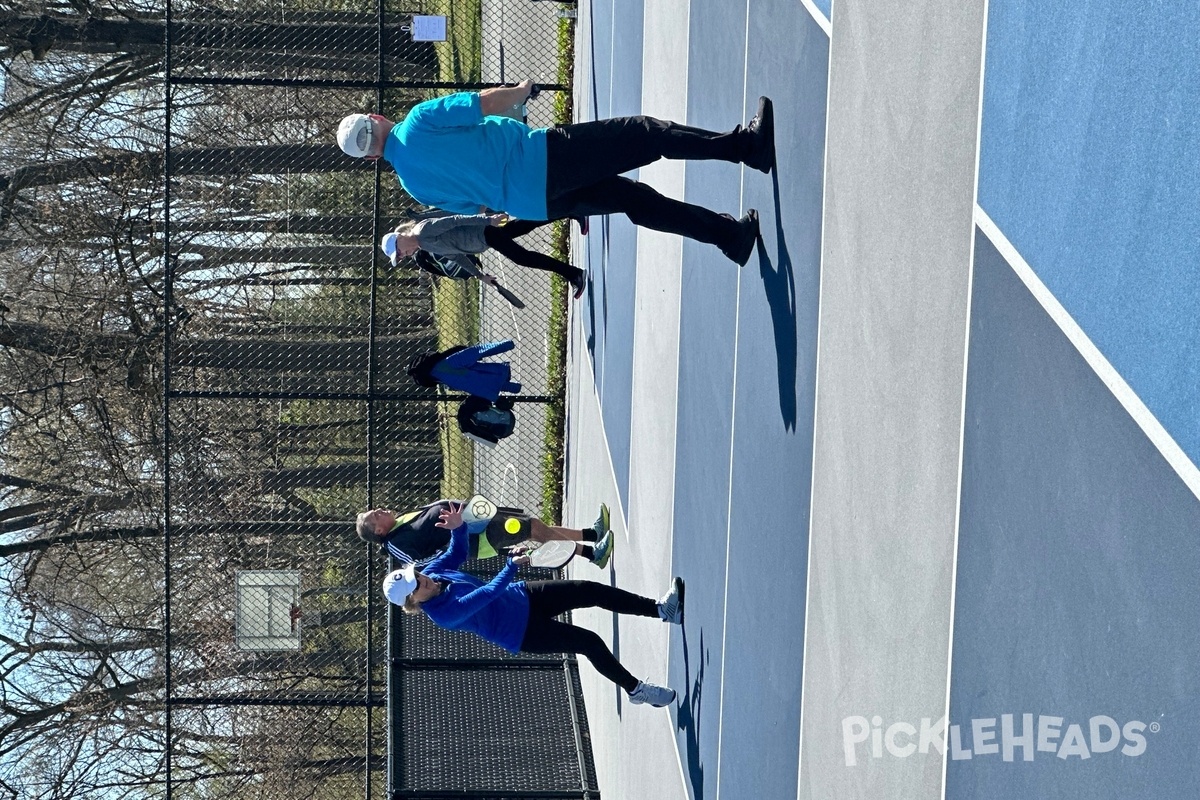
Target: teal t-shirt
449,155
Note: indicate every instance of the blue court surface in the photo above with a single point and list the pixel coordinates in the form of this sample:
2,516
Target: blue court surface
927,462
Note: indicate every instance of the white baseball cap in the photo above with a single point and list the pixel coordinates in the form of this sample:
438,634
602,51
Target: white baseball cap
400,583
354,135
388,245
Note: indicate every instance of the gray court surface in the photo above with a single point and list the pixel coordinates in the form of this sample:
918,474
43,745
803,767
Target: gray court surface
935,544
894,301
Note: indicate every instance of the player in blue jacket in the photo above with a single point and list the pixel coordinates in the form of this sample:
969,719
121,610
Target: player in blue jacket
520,616
464,369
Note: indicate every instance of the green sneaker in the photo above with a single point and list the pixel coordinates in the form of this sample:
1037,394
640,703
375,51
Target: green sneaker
602,550
601,526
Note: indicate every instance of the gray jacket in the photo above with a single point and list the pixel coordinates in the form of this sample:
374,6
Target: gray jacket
452,234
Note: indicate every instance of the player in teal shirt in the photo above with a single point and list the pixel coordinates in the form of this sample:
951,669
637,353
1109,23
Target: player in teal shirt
449,155
460,153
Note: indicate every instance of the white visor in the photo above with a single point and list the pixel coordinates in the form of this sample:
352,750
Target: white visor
388,245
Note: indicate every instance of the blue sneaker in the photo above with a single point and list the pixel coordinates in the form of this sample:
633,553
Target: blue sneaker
602,551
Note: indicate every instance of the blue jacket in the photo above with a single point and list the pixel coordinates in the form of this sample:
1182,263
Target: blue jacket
498,610
464,372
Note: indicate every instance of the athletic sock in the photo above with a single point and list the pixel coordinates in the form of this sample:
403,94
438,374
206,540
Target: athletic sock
587,551
589,535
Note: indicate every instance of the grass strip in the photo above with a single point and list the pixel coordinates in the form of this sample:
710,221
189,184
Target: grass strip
456,315
459,56
556,368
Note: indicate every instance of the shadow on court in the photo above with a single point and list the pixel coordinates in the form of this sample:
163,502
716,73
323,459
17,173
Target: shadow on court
618,692
779,283
593,283
689,716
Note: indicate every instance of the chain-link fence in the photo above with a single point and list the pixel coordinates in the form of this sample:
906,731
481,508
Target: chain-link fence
200,334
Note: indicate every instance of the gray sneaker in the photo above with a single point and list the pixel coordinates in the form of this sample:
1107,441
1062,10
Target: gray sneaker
670,607
600,526
651,694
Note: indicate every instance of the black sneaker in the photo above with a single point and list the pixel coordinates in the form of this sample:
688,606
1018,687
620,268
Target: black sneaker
578,281
762,151
742,247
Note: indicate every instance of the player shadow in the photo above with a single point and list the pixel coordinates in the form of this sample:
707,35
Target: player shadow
688,718
591,290
591,310
779,283
619,693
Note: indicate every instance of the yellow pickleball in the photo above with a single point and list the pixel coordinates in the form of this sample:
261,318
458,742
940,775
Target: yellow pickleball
512,525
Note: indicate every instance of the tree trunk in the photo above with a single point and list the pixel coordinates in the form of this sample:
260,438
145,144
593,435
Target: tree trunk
391,354
325,225
386,328
179,531
215,161
336,254
39,338
234,35
328,475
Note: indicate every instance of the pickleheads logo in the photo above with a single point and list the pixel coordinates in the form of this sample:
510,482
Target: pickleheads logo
984,738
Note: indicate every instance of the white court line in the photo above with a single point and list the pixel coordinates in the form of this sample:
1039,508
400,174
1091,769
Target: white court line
670,719
737,329
812,468
962,409
1121,390
601,332
585,357
819,15
595,394
603,270
612,55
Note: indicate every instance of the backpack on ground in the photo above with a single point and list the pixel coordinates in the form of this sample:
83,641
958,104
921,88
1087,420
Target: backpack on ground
485,422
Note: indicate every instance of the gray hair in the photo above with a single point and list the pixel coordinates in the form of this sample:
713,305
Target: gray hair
364,531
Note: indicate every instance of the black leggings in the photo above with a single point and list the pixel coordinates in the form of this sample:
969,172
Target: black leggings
544,634
501,238
584,163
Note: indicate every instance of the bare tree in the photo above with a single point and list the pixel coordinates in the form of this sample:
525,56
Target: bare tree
268,264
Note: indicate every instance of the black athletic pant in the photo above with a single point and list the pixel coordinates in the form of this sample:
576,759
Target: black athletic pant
501,238
548,599
584,163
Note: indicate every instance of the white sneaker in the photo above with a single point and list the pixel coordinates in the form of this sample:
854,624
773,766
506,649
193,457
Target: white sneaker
651,694
670,608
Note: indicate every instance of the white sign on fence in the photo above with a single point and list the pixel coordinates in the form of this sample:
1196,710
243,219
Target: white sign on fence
428,28
268,609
